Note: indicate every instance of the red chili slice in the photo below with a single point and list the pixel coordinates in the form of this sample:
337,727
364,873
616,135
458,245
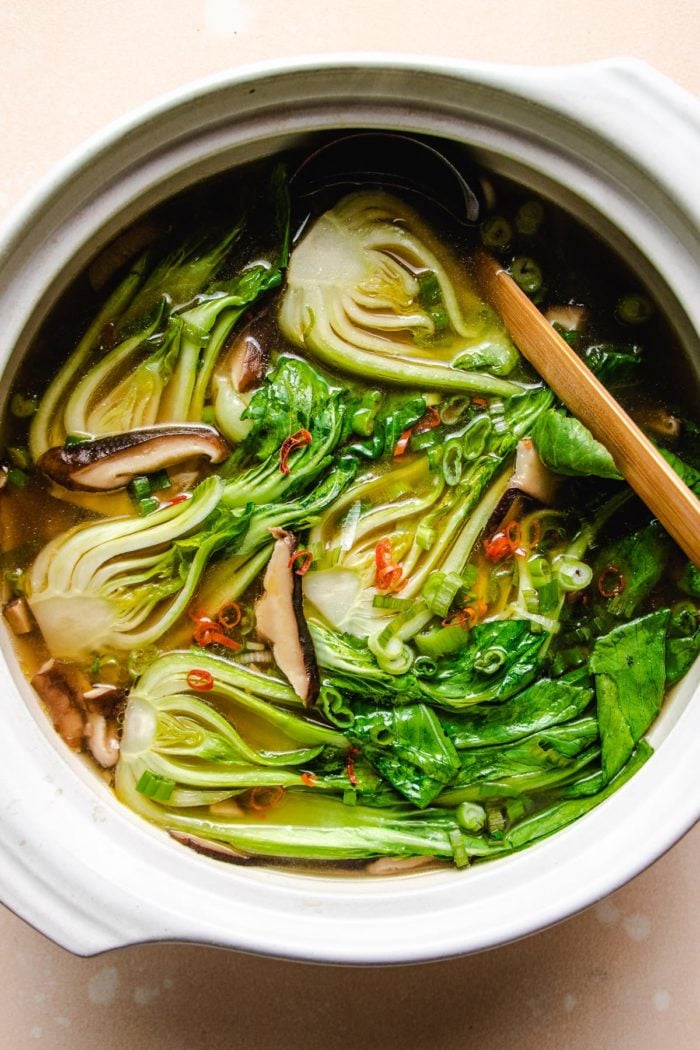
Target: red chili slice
429,421
294,441
309,779
350,765
498,547
230,615
388,573
617,580
302,569
402,443
199,680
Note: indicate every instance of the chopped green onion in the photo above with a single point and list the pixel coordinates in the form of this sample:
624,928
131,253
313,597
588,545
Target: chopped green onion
495,820
22,406
496,232
440,590
548,597
526,274
455,409
425,666
425,536
139,487
565,659
147,506
471,816
459,853
390,652
452,462
540,570
76,439
154,786
363,417
572,574
497,412
529,218
515,808
530,599
490,660
475,437
335,707
159,481
426,439
381,735
209,416
435,456
390,601
633,309
17,477
444,641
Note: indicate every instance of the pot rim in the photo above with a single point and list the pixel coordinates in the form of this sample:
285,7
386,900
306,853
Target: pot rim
333,920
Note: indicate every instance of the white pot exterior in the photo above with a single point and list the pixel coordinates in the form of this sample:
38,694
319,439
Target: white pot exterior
618,145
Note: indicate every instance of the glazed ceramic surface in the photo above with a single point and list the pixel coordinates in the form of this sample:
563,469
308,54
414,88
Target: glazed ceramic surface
619,147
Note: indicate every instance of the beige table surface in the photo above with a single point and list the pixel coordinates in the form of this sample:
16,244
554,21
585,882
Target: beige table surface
623,975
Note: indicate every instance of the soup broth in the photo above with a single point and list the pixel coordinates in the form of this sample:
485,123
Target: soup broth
306,560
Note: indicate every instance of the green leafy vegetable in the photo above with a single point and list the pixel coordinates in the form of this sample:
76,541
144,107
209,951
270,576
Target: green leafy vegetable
534,763
567,447
615,364
408,747
629,668
294,399
544,704
560,814
638,560
460,683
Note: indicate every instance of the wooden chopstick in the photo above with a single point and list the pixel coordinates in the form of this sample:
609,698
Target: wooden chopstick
639,462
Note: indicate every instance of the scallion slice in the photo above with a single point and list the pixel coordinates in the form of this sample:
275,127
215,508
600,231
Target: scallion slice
154,786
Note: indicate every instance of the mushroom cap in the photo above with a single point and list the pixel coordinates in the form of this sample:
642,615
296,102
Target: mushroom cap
110,462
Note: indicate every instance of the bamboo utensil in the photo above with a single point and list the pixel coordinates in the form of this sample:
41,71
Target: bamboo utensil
639,462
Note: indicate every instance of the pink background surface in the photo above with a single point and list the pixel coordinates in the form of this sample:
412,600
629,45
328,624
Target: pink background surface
625,973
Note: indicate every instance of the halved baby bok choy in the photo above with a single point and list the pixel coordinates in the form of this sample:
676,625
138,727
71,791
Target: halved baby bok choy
371,291
149,354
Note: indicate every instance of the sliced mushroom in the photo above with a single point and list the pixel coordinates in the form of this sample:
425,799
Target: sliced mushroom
107,463
280,619
401,865
530,479
210,848
61,686
102,739
571,316
530,474
658,422
19,617
100,696
247,356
